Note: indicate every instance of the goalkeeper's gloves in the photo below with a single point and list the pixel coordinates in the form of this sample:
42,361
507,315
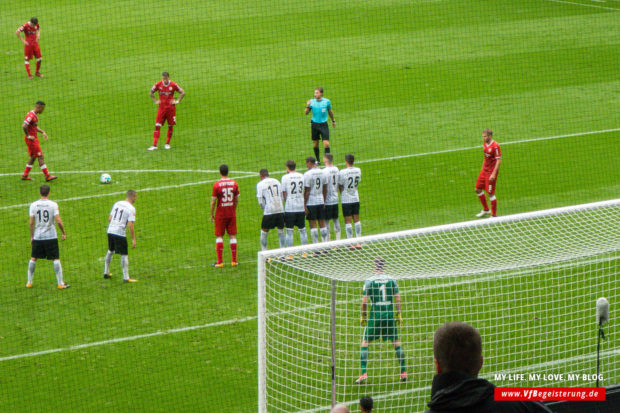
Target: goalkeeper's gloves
399,319
363,321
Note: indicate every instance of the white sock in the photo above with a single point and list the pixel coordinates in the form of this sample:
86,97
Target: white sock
337,228
314,235
358,229
31,265
58,271
289,237
303,235
281,238
125,266
263,240
348,228
107,261
325,234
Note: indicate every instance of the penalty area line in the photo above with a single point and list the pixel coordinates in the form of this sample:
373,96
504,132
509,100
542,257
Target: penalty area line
585,5
140,171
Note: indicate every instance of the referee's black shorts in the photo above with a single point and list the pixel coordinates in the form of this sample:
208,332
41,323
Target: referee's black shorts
45,249
117,244
319,131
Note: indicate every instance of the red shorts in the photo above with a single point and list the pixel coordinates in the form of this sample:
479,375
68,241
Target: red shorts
484,184
34,149
33,50
167,113
228,225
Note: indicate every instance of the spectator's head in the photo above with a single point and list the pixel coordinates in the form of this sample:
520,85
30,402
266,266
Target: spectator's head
457,346
366,404
340,408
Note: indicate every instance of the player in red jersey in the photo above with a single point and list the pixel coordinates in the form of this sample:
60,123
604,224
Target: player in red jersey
167,111
32,33
488,175
226,196
31,128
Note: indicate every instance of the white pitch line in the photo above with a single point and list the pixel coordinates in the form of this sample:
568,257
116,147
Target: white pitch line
130,338
533,367
156,188
137,171
585,5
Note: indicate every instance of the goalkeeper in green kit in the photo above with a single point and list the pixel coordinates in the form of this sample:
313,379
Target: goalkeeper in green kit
384,318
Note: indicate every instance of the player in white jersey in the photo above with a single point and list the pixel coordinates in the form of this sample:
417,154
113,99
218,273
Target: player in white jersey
348,180
44,217
269,195
331,201
122,216
315,192
293,195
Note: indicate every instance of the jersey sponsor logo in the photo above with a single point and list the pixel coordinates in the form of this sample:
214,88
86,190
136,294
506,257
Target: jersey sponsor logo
170,88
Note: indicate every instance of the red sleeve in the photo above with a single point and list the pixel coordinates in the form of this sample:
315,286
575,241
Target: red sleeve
498,152
215,190
236,191
177,88
154,88
22,28
28,119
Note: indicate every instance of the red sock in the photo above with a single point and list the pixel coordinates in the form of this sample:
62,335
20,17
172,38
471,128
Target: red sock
28,68
45,171
219,249
156,135
169,136
483,201
27,170
494,207
38,65
233,249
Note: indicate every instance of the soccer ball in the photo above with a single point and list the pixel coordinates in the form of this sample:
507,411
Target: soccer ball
105,179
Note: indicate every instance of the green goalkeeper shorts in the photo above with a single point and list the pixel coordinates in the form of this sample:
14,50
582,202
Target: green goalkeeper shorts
381,327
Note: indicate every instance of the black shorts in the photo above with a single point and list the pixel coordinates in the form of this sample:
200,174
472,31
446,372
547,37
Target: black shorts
273,221
117,244
295,219
349,210
331,211
319,131
45,249
315,212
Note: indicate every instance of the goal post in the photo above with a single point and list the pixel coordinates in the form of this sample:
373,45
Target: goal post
528,282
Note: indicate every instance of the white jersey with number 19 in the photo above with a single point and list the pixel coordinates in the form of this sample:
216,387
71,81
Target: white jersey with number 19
293,185
122,213
43,211
269,194
349,178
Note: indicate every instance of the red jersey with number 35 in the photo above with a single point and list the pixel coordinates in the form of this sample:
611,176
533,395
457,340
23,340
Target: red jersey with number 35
225,190
492,153
31,121
166,92
30,32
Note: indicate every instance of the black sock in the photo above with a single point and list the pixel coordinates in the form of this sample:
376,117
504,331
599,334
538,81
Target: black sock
327,150
316,153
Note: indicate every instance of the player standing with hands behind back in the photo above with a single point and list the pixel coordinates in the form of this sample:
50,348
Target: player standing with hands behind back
167,111
320,107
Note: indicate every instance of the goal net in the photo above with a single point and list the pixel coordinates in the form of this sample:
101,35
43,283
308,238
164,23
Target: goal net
528,282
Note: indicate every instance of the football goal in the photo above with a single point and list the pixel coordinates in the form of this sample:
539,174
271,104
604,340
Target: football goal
528,282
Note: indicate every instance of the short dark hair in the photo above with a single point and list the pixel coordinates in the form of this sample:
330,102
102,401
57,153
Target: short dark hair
131,193
329,157
44,190
34,20
458,346
366,403
310,159
291,165
379,264
40,103
165,74
264,173
224,169
349,158
488,131
320,89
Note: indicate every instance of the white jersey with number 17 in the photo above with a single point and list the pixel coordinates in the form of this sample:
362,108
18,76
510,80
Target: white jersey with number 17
269,194
349,178
293,185
122,212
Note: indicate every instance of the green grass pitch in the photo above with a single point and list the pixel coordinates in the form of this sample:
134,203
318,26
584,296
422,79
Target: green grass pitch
405,77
